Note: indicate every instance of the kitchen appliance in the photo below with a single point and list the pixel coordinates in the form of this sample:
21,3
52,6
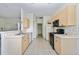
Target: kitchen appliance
56,23
60,31
52,39
51,36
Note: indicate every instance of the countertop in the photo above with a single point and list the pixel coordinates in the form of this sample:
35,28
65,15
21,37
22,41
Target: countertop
11,34
15,36
66,36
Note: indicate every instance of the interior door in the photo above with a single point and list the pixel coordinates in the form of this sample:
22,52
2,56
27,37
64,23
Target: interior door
39,27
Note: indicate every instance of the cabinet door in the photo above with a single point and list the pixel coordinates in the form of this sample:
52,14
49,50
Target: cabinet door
68,46
25,22
55,17
71,14
25,43
63,17
58,45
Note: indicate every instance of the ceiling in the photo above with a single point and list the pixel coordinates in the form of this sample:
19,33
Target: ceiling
39,9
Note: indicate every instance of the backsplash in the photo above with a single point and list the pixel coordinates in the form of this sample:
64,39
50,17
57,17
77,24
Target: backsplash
68,30
71,30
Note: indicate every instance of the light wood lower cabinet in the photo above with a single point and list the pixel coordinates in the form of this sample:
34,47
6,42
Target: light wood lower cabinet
58,45
65,46
25,43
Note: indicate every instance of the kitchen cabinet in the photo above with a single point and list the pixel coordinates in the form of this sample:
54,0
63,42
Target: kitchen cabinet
71,15
63,17
66,16
65,46
25,43
55,17
57,44
25,22
68,46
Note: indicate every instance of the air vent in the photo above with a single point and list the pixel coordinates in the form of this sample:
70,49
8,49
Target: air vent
40,17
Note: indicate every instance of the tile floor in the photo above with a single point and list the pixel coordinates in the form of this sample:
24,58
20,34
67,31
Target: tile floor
40,46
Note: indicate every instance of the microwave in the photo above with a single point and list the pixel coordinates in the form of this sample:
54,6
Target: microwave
56,23
60,31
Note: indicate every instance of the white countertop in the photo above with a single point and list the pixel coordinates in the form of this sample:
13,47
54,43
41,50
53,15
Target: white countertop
29,30
15,36
11,34
66,36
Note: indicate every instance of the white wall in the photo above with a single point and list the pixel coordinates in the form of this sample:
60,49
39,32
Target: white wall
9,23
35,28
39,20
46,28
35,22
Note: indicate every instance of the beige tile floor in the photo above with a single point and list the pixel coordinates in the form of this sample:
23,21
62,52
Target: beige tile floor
40,46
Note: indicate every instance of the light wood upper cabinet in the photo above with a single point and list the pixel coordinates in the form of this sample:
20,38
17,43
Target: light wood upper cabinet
63,17
25,22
55,17
71,14
66,16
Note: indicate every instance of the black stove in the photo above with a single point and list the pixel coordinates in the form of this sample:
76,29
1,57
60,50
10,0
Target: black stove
59,31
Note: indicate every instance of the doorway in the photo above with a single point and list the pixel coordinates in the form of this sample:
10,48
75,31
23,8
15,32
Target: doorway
39,30
0,44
